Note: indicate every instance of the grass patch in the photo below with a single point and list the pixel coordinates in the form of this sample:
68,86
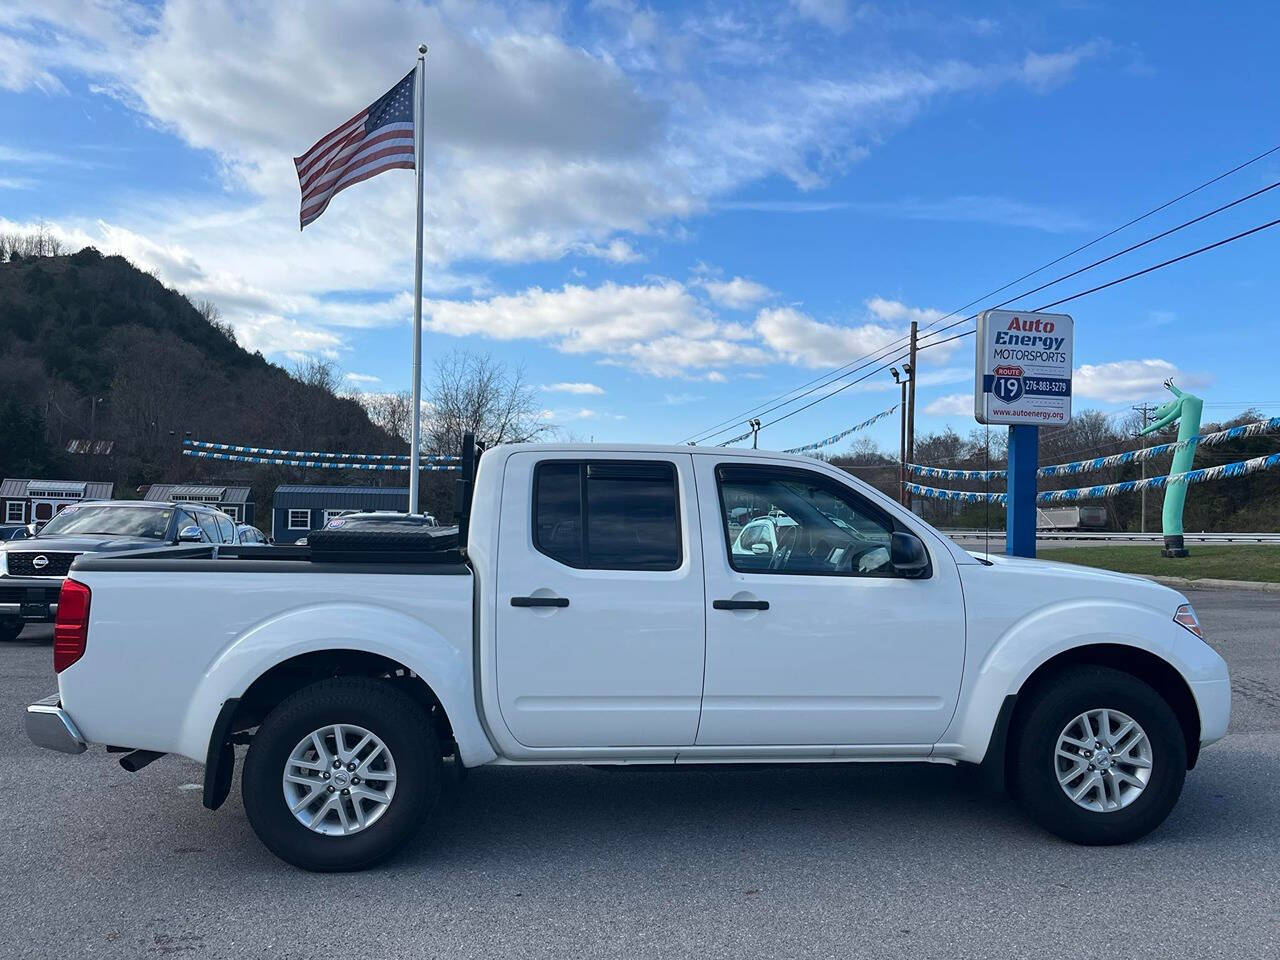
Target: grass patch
1255,561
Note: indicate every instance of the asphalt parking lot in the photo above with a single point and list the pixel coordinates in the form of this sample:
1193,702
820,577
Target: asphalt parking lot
896,861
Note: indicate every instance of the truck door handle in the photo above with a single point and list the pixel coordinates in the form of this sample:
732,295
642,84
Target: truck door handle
740,604
539,601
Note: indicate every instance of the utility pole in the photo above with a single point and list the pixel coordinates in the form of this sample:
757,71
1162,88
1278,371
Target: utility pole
1145,410
901,380
911,408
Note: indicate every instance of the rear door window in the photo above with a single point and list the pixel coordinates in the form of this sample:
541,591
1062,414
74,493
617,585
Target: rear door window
608,514
209,527
226,528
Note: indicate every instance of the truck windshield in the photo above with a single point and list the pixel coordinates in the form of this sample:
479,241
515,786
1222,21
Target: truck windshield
109,521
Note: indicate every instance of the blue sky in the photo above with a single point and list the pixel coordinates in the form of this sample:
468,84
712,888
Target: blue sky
669,213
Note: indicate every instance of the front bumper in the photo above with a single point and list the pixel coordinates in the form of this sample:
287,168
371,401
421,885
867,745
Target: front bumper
1213,698
33,599
51,727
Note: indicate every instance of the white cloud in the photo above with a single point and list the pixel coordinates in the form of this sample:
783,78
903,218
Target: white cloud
1121,381
281,335
362,378
951,405
658,327
539,145
31,158
578,388
583,413
680,399
1044,71
736,294
802,340
615,251
547,137
832,14
1002,211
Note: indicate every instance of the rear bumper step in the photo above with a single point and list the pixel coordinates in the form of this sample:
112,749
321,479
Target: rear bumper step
51,727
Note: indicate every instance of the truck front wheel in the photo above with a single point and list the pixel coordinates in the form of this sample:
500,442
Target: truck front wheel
341,774
1099,757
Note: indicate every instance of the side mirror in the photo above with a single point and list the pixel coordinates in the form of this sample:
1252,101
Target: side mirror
760,549
907,553
33,529
189,534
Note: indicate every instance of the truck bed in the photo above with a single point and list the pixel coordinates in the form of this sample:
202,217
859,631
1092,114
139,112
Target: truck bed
175,642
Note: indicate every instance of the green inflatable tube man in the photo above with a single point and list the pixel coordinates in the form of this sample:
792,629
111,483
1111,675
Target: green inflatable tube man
1186,408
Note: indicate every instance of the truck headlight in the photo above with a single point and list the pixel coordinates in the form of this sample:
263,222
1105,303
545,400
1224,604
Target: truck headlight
1187,617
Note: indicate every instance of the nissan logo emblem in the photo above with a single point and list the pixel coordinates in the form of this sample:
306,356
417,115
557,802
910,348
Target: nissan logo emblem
40,561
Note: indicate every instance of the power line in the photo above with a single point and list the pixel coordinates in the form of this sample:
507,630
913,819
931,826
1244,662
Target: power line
1117,254
1103,286
703,435
1075,296
724,425
1165,263
879,354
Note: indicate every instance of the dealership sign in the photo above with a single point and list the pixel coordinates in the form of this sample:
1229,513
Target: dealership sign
1023,369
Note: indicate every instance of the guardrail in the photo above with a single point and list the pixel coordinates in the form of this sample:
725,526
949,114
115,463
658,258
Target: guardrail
979,534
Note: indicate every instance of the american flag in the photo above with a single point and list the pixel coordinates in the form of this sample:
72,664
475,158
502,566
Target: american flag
376,139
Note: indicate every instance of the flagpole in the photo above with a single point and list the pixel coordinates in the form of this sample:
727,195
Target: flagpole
419,133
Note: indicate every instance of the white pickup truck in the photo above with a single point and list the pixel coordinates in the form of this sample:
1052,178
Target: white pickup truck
604,607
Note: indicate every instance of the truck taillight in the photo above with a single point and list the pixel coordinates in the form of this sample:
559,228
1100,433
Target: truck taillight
71,628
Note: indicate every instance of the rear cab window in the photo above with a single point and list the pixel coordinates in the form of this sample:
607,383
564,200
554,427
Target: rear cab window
608,514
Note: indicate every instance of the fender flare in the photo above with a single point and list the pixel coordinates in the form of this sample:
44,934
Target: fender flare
1032,642
445,666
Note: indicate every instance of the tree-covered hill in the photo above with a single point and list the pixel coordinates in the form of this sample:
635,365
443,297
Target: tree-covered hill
91,348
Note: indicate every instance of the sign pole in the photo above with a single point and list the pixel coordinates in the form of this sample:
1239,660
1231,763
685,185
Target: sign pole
419,136
1020,522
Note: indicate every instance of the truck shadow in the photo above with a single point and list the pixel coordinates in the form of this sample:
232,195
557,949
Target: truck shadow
526,815
524,821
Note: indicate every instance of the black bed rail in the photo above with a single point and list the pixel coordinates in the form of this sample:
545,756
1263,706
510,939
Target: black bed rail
464,488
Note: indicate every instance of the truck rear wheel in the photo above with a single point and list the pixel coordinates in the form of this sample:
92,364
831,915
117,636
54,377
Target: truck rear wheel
1099,758
341,774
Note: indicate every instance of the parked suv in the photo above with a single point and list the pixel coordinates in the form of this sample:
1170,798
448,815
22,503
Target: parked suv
32,570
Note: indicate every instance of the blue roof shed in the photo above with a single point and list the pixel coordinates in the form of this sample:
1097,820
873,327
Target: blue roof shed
299,507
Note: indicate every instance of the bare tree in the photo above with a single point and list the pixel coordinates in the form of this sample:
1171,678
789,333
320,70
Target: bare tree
41,243
390,411
317,372
475,393
213,313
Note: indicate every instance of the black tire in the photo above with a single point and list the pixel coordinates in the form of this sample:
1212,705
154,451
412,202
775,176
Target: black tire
380,708
1034,740
10,629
